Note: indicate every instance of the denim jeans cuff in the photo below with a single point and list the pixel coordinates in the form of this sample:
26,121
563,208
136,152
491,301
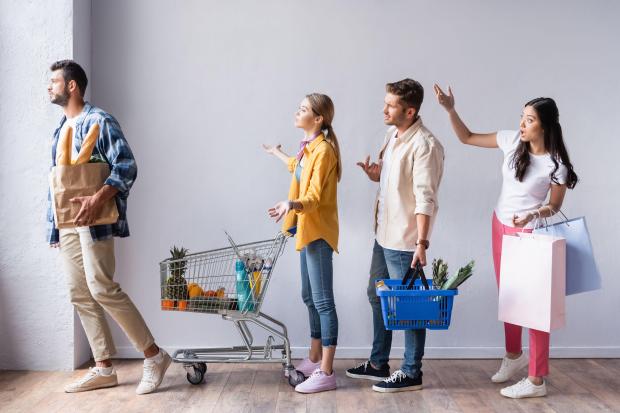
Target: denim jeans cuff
378,364
333,341
315,335
412,373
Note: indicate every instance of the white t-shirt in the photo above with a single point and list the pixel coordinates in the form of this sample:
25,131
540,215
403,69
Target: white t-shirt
519,197
385,168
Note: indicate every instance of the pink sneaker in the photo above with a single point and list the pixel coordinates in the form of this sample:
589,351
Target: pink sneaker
307,367
317,382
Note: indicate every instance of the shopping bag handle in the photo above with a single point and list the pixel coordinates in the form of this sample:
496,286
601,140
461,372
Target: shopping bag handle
412,274
546,224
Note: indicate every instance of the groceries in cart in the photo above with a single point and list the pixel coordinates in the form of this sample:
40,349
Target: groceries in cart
179,294
230,279
175,290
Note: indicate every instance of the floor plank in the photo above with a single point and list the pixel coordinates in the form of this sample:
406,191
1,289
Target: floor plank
580,386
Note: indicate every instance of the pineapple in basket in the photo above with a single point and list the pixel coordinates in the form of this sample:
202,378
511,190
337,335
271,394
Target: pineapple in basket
176,285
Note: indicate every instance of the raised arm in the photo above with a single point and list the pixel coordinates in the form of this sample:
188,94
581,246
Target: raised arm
483,140
277,151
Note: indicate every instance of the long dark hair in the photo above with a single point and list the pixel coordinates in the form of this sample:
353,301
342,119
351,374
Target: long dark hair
549,117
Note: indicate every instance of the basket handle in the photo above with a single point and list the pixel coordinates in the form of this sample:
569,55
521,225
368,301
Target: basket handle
413,274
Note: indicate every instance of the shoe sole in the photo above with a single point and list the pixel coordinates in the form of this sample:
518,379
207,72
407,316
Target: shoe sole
314,391
168,362
366,377
524,397
396,389
103,386
499,381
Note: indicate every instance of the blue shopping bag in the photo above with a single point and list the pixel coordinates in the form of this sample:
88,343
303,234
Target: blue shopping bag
582,274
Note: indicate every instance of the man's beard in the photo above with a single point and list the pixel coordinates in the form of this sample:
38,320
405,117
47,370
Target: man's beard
61,99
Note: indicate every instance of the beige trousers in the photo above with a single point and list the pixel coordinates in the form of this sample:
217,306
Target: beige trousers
89,266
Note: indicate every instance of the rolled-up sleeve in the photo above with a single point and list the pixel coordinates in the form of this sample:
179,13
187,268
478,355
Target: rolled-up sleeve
123,167
427,172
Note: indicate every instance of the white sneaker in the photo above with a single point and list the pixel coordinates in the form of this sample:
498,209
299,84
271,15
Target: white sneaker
509,368
524,388
94,379
153,372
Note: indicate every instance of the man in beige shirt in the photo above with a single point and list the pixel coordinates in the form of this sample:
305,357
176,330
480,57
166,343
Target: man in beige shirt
409,172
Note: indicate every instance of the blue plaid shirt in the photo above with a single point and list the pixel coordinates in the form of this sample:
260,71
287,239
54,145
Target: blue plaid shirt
114,149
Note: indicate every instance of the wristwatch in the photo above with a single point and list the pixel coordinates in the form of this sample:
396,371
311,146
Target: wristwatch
423,242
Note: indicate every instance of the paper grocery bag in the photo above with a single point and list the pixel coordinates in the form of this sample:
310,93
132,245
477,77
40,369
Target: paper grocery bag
533,281
70,181
582,273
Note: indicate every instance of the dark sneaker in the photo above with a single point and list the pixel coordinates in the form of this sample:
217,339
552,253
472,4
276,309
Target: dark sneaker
368,372
399,381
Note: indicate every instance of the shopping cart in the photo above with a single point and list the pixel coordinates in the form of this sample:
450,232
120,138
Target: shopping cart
231,282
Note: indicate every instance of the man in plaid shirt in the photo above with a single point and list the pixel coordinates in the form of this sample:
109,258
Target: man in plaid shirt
87,252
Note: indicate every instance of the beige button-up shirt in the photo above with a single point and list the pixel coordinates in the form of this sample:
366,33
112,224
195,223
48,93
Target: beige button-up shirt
411,186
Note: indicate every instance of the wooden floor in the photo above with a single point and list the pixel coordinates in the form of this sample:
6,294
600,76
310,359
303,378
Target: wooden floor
580,386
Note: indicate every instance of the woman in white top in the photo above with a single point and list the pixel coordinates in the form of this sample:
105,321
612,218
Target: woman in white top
536,163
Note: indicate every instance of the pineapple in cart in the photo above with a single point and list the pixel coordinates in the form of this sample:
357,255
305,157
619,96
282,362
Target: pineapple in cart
176,284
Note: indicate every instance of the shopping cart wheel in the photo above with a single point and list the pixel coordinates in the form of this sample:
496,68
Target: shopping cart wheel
199,374
295,377
201,366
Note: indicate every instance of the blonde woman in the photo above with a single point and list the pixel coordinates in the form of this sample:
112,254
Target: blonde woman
312,209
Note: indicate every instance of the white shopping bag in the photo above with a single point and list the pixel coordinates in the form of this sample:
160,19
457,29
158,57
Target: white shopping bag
533,281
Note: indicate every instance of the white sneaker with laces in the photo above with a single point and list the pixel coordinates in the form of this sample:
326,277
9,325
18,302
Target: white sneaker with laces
94,379
509,368
524,388
153,373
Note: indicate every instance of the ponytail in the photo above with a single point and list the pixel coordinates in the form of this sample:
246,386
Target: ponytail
322,105
333,141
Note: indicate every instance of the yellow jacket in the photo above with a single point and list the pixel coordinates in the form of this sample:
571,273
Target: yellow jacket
317,192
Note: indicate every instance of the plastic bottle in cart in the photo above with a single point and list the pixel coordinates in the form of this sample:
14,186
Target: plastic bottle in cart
268,265
244,294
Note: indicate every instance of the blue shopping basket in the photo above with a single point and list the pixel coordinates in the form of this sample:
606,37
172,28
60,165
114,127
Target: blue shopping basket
416,308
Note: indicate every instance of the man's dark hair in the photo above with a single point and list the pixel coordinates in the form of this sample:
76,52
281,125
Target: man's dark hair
410,92
72,71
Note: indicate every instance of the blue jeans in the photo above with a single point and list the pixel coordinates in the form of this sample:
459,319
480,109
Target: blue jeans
317,291
388,263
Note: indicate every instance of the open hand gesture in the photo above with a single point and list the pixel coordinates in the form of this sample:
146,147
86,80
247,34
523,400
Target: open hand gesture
272,149
279,210
447,101
373,170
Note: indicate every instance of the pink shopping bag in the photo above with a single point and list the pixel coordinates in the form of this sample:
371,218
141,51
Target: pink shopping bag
533,281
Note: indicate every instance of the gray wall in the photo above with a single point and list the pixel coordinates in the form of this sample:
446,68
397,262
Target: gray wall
198,86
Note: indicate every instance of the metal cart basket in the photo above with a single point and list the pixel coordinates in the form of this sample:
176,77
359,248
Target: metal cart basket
231,282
